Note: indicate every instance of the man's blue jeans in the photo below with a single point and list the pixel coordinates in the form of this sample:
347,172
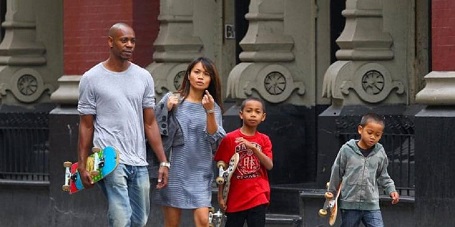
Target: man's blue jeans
369,218
128,193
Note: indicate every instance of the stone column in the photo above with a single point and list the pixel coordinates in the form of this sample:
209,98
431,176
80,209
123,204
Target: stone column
368,70
268,67
176,45
22,58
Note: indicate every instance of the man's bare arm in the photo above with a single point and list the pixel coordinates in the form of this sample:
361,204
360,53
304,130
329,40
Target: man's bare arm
154,138
86,130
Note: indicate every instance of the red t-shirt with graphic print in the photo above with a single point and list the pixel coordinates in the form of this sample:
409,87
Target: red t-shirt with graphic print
250,183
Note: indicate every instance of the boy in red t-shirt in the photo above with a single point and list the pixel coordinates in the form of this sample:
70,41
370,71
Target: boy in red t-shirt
249,192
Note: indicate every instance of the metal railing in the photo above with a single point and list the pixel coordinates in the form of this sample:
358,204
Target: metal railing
24,148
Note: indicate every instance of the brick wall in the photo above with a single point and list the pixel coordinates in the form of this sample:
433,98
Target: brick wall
443,35
146,26
86,24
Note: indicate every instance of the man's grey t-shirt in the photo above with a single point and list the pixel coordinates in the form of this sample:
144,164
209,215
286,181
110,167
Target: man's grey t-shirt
117,100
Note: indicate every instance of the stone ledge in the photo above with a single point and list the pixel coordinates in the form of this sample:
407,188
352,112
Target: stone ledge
68,90
283,219
438,90
25,183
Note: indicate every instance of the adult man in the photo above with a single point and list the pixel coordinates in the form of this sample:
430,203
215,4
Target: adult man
116,103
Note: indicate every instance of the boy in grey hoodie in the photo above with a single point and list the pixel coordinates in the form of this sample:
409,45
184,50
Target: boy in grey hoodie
361,166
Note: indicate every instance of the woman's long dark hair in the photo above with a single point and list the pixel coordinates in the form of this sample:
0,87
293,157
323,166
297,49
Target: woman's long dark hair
214,86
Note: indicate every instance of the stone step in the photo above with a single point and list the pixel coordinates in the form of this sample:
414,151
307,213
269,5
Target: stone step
281,220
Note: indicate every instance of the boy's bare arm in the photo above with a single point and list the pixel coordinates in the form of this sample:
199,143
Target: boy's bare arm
221,201
264,159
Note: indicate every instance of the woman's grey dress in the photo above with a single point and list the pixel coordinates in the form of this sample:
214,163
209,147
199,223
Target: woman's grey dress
191,172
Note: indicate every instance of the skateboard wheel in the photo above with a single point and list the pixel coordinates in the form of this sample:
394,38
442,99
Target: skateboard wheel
328,195
220,180
96,149
322,212
221,164
66,188
211,209
67,164
211,225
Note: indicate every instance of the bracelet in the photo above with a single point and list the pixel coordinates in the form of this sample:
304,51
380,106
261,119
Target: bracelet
165,164
210,111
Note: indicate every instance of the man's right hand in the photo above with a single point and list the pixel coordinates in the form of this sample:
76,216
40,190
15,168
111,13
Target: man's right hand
86,178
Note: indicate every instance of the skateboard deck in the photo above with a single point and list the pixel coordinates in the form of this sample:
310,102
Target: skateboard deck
100,164
225,173
330,205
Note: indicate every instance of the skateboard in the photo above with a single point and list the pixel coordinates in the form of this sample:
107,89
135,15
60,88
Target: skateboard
225,173
215,218
331,205
100,164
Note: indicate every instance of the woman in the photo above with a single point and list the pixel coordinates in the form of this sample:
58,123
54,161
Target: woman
191,127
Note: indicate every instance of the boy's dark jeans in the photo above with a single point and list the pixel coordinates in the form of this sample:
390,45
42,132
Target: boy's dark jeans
255,217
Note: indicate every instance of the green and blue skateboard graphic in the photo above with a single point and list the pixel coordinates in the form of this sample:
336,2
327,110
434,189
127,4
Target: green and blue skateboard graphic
100,163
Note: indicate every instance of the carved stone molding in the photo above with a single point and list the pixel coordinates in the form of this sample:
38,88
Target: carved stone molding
373,83
27,85
274,83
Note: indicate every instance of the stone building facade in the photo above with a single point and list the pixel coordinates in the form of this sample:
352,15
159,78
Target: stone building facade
319,65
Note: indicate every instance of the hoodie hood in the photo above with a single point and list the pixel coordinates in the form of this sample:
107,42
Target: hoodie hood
353,145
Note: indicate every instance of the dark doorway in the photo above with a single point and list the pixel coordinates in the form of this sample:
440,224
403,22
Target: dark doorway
241,25
2,17
337,22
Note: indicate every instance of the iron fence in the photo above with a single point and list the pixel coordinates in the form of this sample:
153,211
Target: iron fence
24,148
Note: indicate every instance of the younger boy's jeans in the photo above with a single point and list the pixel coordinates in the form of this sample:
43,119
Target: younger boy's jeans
369,218
127,190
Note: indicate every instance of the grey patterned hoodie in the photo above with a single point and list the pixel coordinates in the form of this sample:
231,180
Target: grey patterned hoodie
360,176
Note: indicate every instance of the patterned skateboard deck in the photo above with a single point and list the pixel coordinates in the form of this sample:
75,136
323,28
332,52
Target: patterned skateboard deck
100,163
225,174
